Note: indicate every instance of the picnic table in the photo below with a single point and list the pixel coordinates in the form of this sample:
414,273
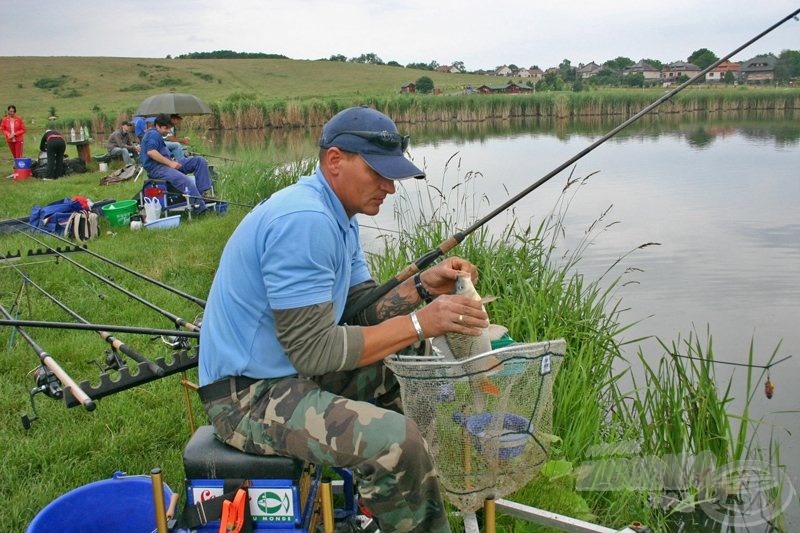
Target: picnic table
84,151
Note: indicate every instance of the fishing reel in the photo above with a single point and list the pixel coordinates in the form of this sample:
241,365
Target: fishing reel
175,342
112,361
46,383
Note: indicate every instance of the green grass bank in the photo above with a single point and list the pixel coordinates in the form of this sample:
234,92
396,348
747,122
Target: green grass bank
275,93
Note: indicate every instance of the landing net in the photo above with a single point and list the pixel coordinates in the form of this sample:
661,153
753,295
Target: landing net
483,444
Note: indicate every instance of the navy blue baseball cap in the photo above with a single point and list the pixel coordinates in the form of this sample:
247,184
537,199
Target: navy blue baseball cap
373,136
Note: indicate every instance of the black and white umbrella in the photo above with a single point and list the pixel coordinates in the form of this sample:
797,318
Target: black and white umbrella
173,103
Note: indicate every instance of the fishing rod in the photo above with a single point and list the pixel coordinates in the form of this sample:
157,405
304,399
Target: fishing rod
208,199
454,240
180,322
180,361
195,299
94,327
215,156
115,343
52,366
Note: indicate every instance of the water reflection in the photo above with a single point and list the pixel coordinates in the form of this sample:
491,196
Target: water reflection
699,130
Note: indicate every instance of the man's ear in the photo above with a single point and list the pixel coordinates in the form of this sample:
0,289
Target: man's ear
333,159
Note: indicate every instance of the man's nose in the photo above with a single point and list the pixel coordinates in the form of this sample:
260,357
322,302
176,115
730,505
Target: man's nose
388,185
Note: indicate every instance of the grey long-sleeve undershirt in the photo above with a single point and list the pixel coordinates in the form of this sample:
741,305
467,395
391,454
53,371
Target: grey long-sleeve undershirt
313,341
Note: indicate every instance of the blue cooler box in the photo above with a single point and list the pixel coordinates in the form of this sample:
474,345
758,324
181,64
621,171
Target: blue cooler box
274,503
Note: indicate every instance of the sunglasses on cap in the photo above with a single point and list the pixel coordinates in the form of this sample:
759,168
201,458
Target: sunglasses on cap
386,139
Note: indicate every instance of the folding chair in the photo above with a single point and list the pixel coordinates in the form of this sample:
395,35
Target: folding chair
171,199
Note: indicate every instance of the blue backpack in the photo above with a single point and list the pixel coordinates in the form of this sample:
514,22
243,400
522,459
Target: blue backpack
54,217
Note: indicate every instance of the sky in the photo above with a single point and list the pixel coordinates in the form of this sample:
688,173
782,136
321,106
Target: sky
481,34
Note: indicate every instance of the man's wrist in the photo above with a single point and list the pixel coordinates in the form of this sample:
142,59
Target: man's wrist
423,293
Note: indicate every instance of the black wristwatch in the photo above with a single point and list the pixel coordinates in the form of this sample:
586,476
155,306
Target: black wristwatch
421,290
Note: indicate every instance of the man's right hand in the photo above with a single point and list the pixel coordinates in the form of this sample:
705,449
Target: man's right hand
452,313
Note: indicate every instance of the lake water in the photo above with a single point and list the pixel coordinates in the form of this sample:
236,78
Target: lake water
720,196
722,201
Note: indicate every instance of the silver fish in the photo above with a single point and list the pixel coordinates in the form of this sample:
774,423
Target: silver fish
456,346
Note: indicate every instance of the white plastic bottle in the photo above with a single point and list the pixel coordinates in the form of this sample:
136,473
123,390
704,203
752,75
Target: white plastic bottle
72,135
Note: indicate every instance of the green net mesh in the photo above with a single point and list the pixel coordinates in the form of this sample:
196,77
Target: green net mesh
484,443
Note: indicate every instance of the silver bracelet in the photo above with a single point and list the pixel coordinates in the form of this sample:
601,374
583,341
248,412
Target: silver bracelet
417,326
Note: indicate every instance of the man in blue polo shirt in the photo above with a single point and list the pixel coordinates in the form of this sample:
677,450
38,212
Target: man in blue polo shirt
156,160
280,375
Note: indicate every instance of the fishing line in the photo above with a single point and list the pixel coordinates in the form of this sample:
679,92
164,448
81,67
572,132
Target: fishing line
453,241
732,363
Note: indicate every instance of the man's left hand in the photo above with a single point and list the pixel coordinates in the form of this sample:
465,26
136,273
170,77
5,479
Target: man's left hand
441,278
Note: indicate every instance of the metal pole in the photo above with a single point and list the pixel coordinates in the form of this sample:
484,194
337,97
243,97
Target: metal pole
158,500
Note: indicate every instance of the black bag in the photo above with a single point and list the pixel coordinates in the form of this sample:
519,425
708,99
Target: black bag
74,165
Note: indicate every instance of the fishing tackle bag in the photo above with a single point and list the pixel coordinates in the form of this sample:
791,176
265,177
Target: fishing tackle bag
53,217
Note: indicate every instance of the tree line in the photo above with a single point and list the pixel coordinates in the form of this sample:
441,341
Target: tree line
787,67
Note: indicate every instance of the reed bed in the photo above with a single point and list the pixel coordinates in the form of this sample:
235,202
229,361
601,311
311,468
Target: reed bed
560,105
248,111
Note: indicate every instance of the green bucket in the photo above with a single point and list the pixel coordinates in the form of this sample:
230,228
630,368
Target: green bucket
119,213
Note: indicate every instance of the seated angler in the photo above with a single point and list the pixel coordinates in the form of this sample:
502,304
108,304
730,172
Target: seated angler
155,158
175,143
121,143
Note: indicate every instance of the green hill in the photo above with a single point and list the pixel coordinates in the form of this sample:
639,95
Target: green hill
84,86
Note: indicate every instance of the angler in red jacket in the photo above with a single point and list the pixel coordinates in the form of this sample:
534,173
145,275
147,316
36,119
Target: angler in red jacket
13,128
53,143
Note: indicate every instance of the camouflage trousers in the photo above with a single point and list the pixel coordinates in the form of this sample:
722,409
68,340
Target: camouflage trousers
345,419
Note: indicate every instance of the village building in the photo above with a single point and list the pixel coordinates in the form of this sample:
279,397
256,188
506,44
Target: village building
449,69
717,74
651,74
408,88
588,70
509,88
503,71
536,74
673,71
760,69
